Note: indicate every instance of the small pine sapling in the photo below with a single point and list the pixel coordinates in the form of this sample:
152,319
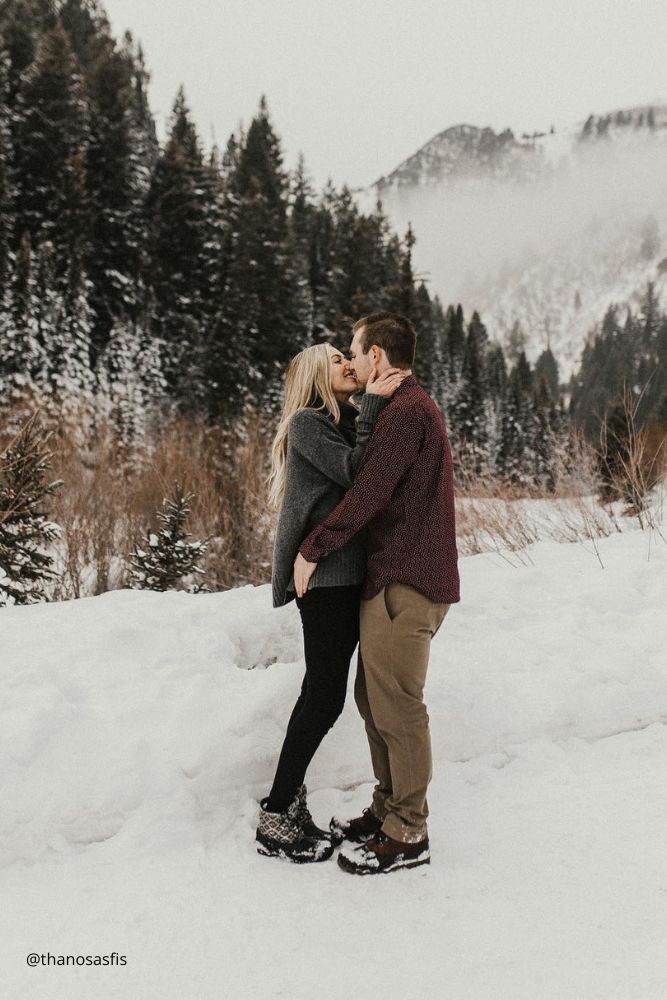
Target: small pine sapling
161,560
26,532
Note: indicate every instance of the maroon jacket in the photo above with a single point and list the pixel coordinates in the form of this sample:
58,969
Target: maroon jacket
404,492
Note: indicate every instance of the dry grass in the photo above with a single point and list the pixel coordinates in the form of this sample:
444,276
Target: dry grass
633,459
111,495
496,516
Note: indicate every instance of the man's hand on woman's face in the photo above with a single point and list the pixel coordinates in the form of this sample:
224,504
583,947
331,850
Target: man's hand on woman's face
303,570
387,383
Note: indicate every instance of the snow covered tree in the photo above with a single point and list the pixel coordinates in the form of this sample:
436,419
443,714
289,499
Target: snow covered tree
516,343
145,141
22,24
301,224
348,294
453,353
497,386
517,428
428,358
163,559
630,353
7,182
26,532
130,383
321,270
471,405
116,169
260,297
183,219
405,290
545,428
70,370
546,366
23,354
51,140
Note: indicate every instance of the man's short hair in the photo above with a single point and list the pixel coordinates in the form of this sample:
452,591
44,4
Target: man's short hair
391,331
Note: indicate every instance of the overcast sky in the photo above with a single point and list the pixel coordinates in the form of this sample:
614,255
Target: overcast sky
359,85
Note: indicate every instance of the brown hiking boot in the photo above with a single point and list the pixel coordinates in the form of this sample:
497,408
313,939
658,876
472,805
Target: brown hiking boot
358,829
384,854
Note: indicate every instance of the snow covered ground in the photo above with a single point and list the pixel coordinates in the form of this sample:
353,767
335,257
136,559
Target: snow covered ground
140,729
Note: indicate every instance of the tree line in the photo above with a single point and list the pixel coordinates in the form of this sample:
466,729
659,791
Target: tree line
144,277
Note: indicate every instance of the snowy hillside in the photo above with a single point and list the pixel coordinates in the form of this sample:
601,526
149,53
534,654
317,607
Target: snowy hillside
140,729
545,229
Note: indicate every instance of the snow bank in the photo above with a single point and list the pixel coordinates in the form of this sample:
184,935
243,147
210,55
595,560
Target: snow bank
125,709
140,729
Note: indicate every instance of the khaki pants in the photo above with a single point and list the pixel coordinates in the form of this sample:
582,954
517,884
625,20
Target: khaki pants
397,626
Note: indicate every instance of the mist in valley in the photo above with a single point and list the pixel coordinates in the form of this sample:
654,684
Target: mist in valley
549,253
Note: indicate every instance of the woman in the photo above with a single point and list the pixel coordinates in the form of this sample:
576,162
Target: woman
317,449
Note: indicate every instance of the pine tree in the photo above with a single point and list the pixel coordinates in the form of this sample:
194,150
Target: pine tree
161,560
516,343
261,293
614,452
51,141
88,28
400,295
546,366
26,566
145,141
347,282
7,184
454,351
70,361
24,357
518,429
439,376
131,386
22,25
382,258
228,359
543,433
471,406
497,389
428,358
620,356
301,225
321,267
183,219
116,169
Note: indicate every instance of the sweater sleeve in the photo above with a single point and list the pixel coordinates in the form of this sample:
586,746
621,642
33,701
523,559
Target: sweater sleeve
316,437
393,448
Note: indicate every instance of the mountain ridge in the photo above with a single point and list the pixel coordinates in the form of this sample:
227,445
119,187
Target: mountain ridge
545,229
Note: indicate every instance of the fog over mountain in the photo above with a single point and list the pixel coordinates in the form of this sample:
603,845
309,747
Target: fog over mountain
545,229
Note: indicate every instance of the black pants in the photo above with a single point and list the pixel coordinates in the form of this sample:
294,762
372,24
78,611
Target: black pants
330,622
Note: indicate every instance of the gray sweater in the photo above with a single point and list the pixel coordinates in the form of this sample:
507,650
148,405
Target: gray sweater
321,463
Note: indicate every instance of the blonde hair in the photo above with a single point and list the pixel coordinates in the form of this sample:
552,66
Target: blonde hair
307,383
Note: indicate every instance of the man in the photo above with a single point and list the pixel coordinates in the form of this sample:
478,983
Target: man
404,493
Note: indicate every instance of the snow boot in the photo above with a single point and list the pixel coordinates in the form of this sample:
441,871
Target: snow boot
384,854
305,819
358,829
279,835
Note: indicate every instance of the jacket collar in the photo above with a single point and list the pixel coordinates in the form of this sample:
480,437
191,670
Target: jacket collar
407,383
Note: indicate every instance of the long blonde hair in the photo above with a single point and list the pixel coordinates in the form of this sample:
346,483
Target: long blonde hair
307,383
